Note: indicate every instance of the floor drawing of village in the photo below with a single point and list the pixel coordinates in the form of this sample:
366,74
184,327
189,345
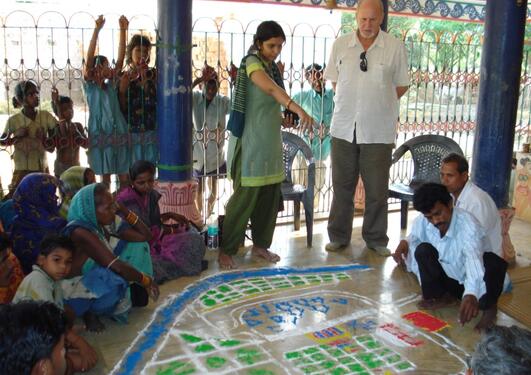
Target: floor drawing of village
292,321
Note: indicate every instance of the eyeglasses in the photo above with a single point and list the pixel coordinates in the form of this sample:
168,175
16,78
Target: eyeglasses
363,62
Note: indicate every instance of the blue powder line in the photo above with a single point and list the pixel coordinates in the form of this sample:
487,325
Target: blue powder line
167,314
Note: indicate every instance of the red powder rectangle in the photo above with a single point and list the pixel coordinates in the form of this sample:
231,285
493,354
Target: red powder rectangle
426,321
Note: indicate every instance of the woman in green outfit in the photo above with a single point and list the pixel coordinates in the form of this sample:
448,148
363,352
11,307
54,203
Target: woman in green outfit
255,153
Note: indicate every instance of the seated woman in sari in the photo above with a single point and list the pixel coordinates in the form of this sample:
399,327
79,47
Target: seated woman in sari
176,249
11,274
36,202
73,179
106,280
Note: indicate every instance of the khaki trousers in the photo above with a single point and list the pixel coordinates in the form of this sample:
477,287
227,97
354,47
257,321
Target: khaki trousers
372,162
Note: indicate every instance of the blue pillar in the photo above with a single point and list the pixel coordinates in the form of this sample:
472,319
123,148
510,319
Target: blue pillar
501,62
385,3
174,96
174,109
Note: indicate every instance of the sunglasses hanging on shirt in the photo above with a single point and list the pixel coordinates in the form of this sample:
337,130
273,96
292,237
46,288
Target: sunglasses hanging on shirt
363,61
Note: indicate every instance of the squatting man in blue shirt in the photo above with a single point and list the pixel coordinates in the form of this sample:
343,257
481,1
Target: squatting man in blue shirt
446,251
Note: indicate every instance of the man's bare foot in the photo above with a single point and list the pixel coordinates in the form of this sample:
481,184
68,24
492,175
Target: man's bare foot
265,254
488,319
437,303
93,323
226,262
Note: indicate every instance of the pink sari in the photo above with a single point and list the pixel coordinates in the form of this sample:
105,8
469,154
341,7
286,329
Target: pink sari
173,255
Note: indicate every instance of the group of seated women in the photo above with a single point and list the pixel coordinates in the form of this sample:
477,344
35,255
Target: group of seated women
123,247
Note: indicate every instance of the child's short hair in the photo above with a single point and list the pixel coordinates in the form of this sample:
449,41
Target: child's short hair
52,242
141,166
21,90
5,242
29,331
62,100
98,60
137,40
213,82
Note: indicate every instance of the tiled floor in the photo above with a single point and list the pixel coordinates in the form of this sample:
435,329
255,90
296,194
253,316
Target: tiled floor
390,289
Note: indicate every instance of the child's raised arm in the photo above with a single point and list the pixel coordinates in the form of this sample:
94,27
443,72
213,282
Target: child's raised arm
92,47
124,25
55,102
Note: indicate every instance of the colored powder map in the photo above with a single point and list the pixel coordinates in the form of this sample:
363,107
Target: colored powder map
287,321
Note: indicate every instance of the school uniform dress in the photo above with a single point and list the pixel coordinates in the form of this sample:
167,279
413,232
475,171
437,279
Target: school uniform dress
29,153
107,131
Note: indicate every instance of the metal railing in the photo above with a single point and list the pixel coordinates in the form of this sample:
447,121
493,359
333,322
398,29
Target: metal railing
442,98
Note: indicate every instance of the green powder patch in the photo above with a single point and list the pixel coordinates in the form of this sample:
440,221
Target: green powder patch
339,371
177,368
209,302
248,356
202,348
190,338
260,371
229,343
292,355
215,362
404,366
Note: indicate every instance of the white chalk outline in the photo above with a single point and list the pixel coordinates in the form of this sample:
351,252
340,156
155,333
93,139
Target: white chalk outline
385,308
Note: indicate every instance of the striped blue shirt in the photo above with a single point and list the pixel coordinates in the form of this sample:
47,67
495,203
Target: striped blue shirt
460,252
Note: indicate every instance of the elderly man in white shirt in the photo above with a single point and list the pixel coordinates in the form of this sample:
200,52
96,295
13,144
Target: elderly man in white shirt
445,249
369,73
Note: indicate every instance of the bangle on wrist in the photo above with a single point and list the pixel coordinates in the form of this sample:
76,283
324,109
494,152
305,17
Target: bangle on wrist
111,263
146,280
131,218
288,103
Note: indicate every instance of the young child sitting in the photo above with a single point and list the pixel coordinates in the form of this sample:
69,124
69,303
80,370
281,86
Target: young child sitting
32,339
69,136
43,284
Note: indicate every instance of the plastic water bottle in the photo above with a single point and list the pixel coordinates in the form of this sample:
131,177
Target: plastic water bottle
212,232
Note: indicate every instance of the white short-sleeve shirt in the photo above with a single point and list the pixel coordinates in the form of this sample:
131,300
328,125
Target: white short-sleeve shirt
483,208
367,101
213,116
